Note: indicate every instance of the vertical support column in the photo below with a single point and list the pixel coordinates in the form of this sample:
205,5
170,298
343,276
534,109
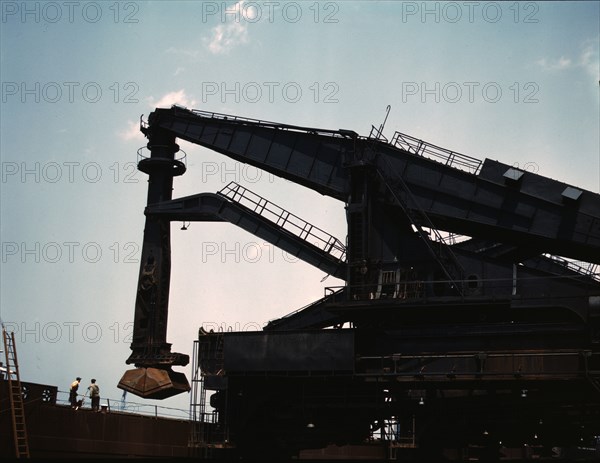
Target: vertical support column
150,351
360,273
152,301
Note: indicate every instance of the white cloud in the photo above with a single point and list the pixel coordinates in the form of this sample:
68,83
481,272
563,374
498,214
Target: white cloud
179,97
178,71
232,31
229,35
587,60
554,65
132,132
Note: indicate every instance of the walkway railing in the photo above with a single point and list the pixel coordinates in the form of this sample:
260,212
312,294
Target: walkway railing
286,220
450,158
261,123
583,268
125,406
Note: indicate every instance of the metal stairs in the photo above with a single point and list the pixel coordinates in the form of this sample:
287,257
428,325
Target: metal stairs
287,221
262,218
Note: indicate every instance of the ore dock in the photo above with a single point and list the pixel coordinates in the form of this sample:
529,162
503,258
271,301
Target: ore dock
468,327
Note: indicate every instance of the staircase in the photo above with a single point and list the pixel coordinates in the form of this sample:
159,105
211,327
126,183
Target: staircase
16,398
285,220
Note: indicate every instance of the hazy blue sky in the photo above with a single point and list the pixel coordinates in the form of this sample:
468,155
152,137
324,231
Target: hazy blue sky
516,82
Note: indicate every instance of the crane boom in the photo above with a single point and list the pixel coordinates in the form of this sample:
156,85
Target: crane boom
397,195
495,200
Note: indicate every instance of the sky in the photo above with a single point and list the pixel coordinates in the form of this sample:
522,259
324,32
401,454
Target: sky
514,82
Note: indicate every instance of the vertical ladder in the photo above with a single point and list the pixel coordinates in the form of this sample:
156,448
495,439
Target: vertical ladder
200,426
16,398
205,433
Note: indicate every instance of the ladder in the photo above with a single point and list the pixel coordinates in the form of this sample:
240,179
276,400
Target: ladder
197,403
16,398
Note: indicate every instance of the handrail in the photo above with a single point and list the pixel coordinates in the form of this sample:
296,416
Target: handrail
332,294
589,269
118,405
451,238
400,140
286,220
276,125
419,292
412,365
377,134
180,158
437,153
476,352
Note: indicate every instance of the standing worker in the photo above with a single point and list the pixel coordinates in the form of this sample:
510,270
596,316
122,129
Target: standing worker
73,392
95,395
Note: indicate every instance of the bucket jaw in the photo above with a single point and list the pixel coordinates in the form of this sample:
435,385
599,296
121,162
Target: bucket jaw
154,383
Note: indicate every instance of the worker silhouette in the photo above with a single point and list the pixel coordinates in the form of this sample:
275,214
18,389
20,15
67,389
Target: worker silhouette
94,391
73,392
